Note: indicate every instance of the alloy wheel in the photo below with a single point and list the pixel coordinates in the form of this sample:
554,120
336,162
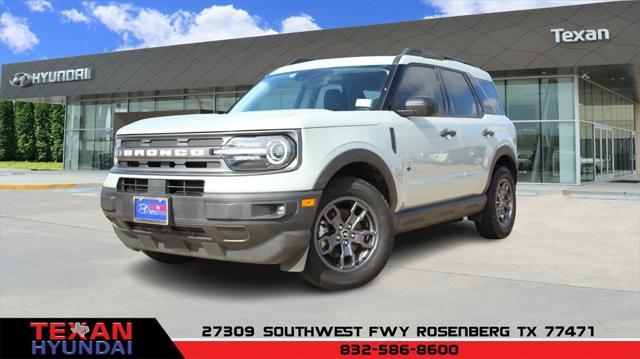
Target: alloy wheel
346,234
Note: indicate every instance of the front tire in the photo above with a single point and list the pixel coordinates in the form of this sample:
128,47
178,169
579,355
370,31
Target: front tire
352,236
168,258
499,214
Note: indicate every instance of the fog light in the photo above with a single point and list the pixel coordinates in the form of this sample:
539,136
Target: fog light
280,210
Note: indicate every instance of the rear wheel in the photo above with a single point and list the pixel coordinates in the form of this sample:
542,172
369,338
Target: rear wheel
352,236
497,219
168,258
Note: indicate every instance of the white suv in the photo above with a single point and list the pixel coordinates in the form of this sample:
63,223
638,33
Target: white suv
318,166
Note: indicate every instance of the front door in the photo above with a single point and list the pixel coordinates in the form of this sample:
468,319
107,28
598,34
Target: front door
603,155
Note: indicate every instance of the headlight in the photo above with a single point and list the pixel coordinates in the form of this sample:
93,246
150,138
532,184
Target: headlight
116,147
258,153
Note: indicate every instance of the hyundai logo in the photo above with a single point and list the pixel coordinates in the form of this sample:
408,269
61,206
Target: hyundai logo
20,79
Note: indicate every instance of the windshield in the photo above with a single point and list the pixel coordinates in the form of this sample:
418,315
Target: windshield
336,89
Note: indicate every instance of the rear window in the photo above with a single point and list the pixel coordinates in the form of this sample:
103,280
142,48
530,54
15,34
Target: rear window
461,100
488,96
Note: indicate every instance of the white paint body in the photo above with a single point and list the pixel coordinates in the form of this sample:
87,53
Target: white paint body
426,167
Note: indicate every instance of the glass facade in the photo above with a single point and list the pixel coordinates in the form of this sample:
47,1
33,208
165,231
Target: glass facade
543,112
89,126
607,134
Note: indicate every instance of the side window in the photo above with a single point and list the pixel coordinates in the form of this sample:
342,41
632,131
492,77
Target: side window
488,96
418,81
461,99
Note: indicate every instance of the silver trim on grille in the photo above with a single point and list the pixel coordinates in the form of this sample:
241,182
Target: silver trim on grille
184,153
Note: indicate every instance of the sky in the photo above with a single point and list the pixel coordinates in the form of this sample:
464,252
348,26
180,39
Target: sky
46,29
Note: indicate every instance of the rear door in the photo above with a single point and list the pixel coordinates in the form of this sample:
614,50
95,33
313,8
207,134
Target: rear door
478,144
429,145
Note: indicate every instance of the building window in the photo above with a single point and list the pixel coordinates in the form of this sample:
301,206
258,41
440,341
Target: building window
224,101
89,123
522,99
203,102
142,105
606,133
557,98
543,112
587,169
169,104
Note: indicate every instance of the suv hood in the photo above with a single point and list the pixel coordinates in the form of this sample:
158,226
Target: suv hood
251,121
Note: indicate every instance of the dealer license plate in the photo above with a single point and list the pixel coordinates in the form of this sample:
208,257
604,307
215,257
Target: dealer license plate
152,210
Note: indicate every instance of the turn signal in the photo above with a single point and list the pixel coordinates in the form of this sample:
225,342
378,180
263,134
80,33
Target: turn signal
308,202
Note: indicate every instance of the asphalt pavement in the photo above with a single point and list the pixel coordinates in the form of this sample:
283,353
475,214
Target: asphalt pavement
569,261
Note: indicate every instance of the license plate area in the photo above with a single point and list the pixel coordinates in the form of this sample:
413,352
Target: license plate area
151,210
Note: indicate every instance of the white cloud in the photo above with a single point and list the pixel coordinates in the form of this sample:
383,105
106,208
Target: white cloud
39,5
467,7
302,22
147,27
74,15
15,33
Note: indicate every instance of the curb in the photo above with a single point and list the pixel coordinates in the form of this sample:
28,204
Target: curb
27,187
609,196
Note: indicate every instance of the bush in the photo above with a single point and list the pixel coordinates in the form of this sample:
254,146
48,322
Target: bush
7,131
42,127
31,132
56,132
25,131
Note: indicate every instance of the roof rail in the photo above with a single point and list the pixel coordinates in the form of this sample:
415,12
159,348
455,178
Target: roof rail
297,61
432,55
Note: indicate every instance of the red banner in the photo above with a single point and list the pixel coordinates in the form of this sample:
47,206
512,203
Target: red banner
410,349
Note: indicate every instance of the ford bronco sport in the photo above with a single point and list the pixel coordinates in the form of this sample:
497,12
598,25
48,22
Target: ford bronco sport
318,166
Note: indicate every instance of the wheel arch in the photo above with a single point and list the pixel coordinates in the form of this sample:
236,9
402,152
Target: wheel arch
505,156
363,164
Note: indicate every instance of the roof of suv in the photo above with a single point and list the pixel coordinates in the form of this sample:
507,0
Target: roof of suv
384,60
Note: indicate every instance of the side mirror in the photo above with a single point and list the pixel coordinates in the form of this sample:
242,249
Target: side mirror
418,106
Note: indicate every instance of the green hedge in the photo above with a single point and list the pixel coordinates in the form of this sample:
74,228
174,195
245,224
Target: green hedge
31,132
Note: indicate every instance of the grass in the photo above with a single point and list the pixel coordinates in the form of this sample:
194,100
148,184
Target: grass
31,165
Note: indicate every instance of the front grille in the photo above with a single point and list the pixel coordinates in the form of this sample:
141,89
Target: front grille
185,187
133,185
167,153
171,230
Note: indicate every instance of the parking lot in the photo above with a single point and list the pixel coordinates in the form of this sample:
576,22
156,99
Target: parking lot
569,261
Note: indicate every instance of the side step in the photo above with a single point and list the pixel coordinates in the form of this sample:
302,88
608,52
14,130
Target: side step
420,217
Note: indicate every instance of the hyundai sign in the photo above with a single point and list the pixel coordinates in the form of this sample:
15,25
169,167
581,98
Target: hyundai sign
23,79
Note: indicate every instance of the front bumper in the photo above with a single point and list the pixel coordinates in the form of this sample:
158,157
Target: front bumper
232,227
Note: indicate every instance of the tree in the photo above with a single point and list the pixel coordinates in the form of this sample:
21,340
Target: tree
42,135
7,131
56,132
25,131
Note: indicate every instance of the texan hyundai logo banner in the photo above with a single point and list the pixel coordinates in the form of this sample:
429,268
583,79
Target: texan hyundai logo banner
84,338
23,79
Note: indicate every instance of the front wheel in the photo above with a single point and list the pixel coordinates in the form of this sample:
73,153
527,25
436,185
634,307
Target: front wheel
352,236
499,214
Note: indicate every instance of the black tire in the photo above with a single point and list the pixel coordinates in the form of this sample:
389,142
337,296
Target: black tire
168,258
488,223
371,258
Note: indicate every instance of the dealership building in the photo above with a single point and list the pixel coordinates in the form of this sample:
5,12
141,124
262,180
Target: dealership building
568,77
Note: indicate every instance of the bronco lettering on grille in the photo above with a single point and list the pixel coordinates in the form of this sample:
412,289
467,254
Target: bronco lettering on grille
162,152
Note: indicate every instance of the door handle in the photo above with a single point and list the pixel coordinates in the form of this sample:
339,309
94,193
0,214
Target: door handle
487,132
447,133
